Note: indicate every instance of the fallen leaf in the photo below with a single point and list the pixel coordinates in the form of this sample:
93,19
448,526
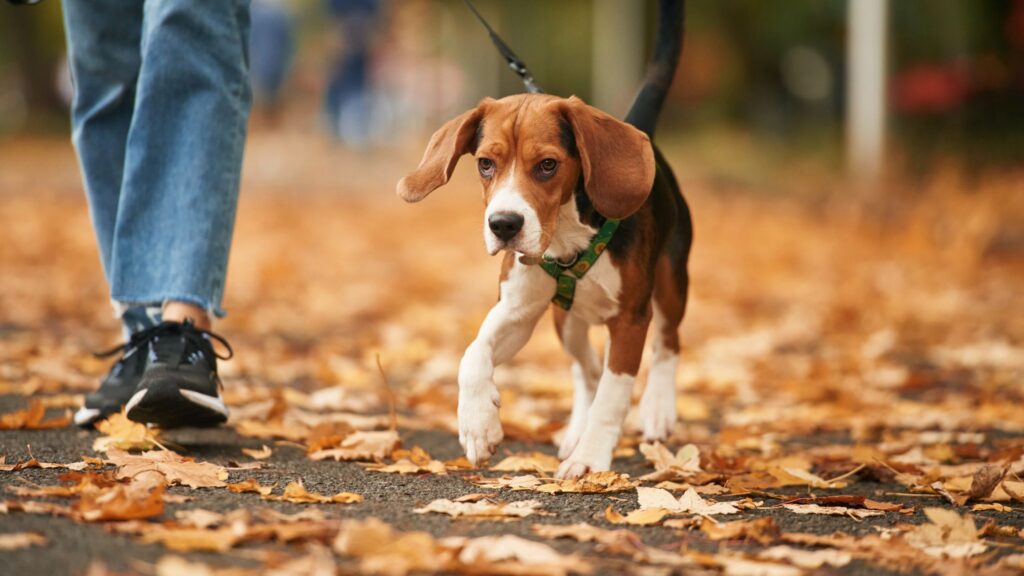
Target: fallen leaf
260,454
946,535
684,463
762,530
994,507
121,433
359,445
176,468
592,483
32,418
250,485
855,513
297,493
689,502
525,482
608,541
18,540
641,517
482,509
527,462
808,559
983,483
383,550
140,498
508,554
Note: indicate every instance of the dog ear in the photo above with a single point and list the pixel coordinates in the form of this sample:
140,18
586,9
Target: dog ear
617,159
450,142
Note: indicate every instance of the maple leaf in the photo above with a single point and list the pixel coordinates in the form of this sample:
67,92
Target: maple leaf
361,446
482,508
18,540
32,418
176,468
296,492
689,502
123,434
527,462
686,462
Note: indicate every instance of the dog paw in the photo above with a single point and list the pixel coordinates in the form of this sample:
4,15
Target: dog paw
658,415
480,429
583,461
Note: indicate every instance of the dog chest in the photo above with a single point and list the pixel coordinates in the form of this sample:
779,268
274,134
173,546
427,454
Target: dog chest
597,293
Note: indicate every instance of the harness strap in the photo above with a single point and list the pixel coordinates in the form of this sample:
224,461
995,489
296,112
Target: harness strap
566,275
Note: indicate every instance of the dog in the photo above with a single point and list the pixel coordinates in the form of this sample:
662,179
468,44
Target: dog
593,223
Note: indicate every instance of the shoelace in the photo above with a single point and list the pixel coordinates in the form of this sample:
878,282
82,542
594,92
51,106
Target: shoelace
186,329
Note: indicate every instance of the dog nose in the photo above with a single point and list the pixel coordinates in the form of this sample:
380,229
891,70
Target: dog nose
505,225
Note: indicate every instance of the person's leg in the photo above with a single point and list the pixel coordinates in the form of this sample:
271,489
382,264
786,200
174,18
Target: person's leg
184,154
178,198
103,40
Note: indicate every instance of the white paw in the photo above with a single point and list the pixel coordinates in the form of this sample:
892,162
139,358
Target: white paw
579,464
479,424
570,439
658,413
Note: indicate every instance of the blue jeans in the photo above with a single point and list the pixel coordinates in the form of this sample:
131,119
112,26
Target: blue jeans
159,116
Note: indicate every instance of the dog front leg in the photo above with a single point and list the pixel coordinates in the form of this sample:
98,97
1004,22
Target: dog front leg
505,331
593,453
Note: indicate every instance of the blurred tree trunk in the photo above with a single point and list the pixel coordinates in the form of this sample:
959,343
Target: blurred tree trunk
34,40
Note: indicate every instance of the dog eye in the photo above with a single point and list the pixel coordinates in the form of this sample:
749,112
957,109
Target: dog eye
485,166
547,165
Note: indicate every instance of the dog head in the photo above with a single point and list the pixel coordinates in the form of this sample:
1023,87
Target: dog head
531,151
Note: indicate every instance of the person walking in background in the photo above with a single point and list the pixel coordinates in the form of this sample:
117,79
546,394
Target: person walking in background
348,99
159,115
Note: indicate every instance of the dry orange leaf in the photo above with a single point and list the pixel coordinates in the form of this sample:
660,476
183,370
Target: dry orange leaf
642,517
482,508
123,434
383,550
297,493
176,468
32,418
619,541
250,485
360,445
260,454
527,462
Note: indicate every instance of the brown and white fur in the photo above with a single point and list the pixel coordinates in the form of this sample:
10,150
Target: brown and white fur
552,170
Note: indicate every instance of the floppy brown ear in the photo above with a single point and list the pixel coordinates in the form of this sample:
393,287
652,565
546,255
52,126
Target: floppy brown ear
446,145
617,159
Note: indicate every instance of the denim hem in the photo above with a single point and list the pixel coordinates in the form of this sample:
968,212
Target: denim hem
203,303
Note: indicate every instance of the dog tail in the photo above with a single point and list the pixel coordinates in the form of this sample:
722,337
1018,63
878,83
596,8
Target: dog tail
668,45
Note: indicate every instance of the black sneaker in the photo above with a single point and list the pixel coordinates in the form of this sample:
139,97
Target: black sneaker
118,385
180,386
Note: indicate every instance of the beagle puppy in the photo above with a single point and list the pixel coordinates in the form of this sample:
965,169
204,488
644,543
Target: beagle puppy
593,224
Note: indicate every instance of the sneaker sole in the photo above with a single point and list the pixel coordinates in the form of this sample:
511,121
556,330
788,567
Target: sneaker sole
87,416
168,406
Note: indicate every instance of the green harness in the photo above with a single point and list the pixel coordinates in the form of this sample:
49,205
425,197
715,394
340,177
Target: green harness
566,275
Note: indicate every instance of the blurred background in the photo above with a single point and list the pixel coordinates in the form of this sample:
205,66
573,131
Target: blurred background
857,163
925,81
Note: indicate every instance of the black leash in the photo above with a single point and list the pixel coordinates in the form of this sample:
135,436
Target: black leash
517,65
